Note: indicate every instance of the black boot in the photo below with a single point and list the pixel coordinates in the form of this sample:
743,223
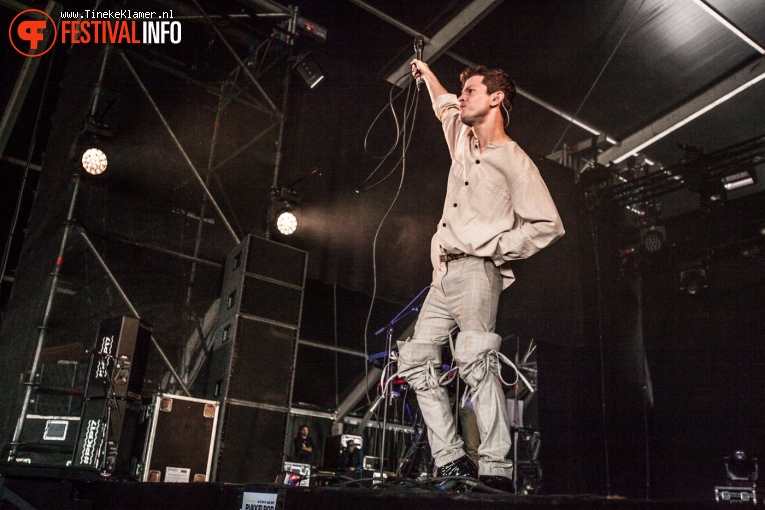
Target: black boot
499,483
462,467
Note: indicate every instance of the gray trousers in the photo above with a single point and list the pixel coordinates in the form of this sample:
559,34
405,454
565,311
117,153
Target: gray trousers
468,298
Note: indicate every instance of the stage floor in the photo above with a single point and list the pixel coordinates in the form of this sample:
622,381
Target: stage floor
62,489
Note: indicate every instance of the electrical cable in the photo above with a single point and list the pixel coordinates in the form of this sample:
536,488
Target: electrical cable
402,129
410,106
597,78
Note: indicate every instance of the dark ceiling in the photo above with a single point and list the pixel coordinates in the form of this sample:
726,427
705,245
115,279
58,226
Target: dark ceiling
617,65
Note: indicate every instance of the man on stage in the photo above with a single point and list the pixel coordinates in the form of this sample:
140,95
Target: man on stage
497,209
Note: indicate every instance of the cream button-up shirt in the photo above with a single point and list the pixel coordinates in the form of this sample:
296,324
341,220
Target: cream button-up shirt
497,206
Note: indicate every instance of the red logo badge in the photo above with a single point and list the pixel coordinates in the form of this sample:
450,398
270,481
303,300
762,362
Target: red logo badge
28,32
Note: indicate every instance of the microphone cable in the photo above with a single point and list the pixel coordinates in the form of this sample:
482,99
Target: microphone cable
404,130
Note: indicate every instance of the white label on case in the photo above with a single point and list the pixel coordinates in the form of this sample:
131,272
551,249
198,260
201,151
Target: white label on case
177,475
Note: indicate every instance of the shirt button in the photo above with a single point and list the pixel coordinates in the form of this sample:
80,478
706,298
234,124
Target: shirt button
477,161
466,183
455,205
443,224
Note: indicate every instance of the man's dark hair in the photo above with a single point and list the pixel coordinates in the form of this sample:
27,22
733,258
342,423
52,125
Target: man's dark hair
495,80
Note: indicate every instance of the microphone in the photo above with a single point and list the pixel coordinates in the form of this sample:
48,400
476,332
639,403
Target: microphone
418,44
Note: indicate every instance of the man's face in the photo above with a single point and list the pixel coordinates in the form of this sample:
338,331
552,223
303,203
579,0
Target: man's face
304,431
474,101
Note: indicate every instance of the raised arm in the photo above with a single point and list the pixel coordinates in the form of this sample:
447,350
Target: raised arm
421,70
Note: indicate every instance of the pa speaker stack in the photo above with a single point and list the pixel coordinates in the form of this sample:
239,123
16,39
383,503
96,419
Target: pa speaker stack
253,360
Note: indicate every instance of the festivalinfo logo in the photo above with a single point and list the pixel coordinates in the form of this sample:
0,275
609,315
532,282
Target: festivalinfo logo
33,32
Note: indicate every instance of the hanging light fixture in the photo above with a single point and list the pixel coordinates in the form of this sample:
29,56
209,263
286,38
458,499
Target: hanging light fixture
286,221
94,160
308,70
653,238
693,281
282,213
739,180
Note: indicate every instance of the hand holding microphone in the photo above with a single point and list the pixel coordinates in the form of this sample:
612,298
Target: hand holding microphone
418,44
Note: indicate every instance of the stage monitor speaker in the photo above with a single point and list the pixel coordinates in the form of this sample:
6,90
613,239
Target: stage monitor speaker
250,445
107,439
254,362
119,357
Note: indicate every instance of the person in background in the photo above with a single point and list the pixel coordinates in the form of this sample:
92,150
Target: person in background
303,446
352,459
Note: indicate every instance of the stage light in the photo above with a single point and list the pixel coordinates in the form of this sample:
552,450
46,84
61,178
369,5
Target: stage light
94,161
693,281
307,68
286,222
741,486
653,238
738,180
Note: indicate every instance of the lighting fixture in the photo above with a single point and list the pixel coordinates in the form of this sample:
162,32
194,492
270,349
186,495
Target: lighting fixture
692,281
739,466
307,68
653,238
286,222
94,161
738,180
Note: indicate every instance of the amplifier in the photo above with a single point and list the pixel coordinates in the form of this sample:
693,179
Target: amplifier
107,436
50,430
48,440
119,357
179,439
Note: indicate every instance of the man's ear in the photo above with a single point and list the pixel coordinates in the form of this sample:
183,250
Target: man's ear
497,98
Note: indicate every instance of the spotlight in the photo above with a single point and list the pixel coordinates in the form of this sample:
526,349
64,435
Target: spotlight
739,466
739,180
653,238
307,68
94,161
281,213
692,281
741,486
286,222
